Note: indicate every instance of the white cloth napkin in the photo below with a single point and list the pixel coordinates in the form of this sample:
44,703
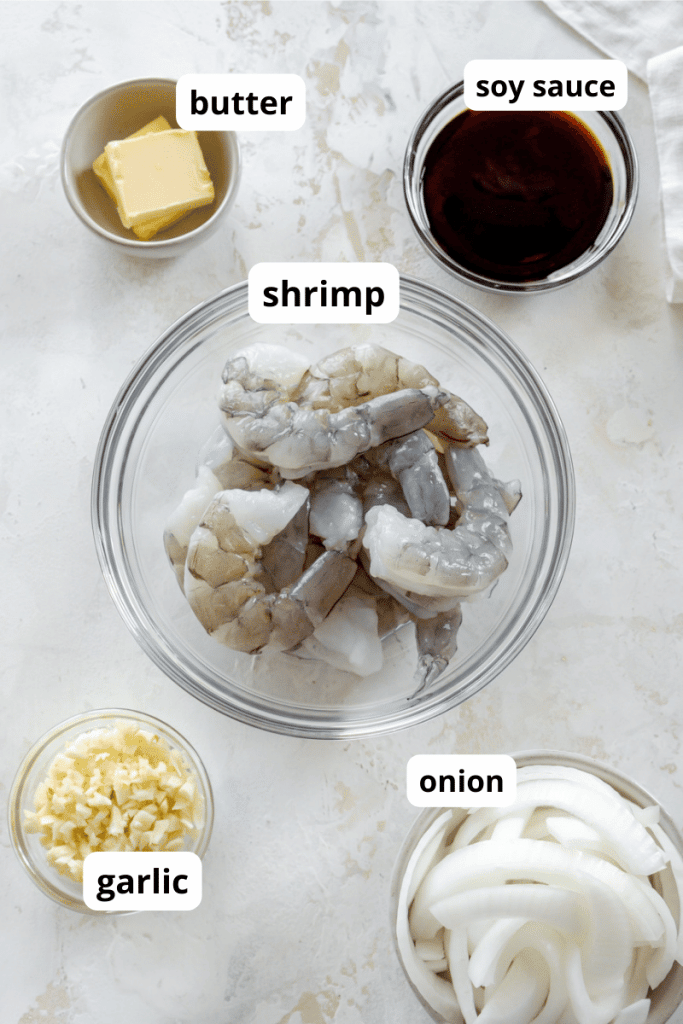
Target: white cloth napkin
647,35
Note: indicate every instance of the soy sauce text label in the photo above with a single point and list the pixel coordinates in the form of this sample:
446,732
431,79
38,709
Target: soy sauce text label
546,85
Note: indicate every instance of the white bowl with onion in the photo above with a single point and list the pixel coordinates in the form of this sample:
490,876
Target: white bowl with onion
562,908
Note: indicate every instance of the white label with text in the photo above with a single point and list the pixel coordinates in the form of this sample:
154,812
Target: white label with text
142,880
323,293
245,103
546,85
461,780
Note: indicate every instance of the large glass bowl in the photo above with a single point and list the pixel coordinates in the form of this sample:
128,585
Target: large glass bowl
147,457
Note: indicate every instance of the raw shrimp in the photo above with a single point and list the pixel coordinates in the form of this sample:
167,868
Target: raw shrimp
226,584
412,460
336,512
373,440
220,468
185,518
305,419
437,562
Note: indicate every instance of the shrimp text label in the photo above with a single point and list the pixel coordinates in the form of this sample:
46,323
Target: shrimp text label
245,103
545,84
142,880
461,780
317,293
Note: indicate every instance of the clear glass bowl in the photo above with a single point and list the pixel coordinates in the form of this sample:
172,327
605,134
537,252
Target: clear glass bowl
146,460
33,771
668,996
608,129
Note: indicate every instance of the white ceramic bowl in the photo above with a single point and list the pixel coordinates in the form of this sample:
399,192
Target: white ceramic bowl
668,996
115,113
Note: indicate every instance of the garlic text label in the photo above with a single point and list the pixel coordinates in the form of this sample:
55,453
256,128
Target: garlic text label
546,84
142,880
245,103
461,780
318,293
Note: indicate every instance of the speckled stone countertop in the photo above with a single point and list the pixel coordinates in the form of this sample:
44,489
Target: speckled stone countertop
294,925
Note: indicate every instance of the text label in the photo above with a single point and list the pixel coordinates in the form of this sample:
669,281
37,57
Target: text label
317,293
461,780
142,880
245,103
546,84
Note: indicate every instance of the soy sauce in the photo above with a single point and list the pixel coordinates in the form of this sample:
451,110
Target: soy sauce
516,195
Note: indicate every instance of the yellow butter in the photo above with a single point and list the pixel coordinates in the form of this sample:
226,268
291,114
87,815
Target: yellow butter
147,229
101,167
157,175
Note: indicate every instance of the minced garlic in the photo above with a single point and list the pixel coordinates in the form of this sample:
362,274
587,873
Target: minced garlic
115,789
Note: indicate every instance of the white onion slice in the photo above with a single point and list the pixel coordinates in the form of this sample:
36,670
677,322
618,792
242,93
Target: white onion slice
552,949
561,908
521,994
636,1013
486,863
488,950
632,844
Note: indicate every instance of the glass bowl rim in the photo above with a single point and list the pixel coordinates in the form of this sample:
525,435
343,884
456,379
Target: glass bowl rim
149,370
43,879
412,171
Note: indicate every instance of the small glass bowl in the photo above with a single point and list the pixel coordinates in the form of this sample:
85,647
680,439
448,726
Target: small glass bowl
608,129
668,996
147,460
33,770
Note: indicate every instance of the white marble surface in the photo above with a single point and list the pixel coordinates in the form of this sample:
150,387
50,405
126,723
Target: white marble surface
294,927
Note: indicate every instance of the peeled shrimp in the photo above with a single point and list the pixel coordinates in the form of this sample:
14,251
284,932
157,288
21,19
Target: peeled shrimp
388,474
185,518
413,462
336,512
437,562
302,419
227,585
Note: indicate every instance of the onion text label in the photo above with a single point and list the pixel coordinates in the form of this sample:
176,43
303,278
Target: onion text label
142,880
546,85
461,780
323,293
245,103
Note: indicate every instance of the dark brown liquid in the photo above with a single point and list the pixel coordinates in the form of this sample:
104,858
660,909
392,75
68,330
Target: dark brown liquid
516,195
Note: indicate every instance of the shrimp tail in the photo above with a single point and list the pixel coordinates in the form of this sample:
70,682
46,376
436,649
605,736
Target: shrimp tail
436,644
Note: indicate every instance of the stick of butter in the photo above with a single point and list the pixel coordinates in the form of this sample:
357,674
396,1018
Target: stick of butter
148,228
158,174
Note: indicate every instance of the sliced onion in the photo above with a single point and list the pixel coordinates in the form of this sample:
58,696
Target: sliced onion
586,1010
633,846
547,907
558,907
455,943
488,950
552,949
676,867
521,994
486,863
636,1013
